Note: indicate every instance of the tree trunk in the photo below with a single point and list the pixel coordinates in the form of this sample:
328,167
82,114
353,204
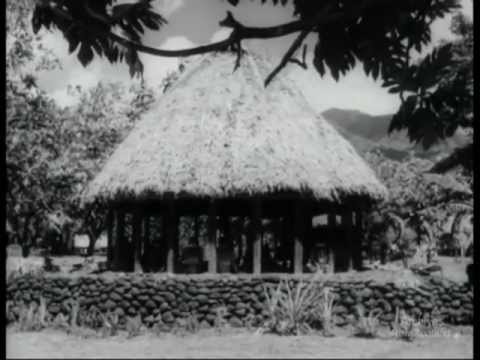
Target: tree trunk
25,241
299,237
137,241
92,241
212,238
257,236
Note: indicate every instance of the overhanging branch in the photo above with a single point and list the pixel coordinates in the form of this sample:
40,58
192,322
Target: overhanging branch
233,41
288,55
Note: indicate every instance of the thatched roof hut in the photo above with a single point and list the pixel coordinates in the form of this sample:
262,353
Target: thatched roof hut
218,133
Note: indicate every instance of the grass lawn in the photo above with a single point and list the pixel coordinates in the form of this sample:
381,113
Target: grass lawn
241,344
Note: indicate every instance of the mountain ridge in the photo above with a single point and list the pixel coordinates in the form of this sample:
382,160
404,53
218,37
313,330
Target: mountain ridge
370,132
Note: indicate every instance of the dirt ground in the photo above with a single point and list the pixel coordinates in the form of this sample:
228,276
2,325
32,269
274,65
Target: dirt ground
207,344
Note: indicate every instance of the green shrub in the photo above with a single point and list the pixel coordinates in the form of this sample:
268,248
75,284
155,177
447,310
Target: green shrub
293,310
74,310
250,322
9,314
60,322
220,322
405,327
90,319
367,326
34,317
187,325
326,312
192,325
134,326
110,324
432,324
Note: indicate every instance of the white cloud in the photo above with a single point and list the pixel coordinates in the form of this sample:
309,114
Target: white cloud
221,34
155,67
353,91
168,7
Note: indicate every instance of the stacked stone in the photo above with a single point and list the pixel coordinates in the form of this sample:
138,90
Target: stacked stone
242,299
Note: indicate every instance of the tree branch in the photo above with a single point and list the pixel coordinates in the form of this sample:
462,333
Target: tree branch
302,63
239,33
287,57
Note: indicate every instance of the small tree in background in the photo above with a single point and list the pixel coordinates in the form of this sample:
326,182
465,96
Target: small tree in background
52,152
419,202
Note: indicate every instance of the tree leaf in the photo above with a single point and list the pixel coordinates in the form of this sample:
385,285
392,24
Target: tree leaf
85,55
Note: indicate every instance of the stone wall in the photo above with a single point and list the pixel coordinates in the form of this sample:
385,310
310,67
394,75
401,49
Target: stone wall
171,298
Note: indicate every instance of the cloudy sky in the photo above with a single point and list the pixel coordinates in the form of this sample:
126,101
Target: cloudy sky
193,22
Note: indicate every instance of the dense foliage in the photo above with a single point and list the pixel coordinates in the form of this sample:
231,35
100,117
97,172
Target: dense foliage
421,203
437,99
52,152
31,127
378,33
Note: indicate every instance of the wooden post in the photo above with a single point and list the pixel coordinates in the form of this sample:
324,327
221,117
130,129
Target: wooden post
331,219
176,223
109,223
257,236
137,240
170,224
196,228
146,242
298,237
347,224
120,215
358,239
212,237
225,226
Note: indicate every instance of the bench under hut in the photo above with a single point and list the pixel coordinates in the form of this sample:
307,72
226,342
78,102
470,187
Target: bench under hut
221,149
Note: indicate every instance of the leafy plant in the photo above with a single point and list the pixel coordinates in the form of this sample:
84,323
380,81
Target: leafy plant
33,317
326,311
159,328
9,315
192,324
432,324
419,204
110,324
74,310
367,326
187,325
250,322
90,318
134,326
60,322
293,310
405,327
220,322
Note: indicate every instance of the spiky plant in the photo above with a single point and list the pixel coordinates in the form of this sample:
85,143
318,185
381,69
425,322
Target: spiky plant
293,309
110,324
134,326
220,322
326,312
405,327
367,326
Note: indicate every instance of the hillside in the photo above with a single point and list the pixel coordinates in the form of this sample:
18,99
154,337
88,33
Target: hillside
367,132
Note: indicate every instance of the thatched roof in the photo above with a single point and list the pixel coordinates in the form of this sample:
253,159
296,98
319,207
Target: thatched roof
219,132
